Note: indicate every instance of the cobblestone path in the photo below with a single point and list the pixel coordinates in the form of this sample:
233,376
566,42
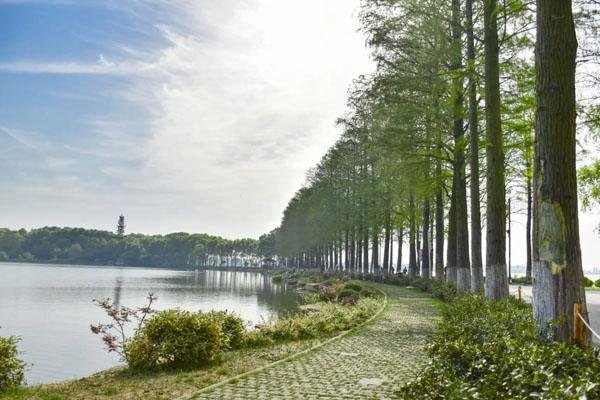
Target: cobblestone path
368,364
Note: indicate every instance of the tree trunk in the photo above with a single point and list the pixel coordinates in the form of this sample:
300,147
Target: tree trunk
496,283
386,244
412,253
375,256
463,272
528,229
557,270
476,255
359,258
390,267
347,250
353,249
400,242
335,253
425,268
439,227
366,251
451,252
431,240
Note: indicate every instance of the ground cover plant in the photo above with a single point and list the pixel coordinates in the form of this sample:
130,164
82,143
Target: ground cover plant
491,349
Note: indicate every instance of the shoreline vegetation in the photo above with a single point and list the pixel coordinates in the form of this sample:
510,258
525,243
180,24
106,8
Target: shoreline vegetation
332,305
79,246
480,346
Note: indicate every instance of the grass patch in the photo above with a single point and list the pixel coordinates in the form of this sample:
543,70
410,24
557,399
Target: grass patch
121,383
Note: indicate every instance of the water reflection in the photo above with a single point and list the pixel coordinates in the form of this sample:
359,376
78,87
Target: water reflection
50,307
118,288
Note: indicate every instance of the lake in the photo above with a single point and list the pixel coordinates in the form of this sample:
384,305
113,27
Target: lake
50,307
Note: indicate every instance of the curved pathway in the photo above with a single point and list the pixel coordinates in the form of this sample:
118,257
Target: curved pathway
368,364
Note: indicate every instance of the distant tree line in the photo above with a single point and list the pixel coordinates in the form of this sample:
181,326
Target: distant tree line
87,246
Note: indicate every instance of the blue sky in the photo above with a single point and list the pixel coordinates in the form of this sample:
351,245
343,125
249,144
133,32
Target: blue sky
189,115
196,116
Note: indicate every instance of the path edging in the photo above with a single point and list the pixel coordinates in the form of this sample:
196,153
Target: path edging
292,356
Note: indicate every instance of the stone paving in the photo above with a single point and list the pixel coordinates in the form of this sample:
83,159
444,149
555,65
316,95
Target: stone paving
369,364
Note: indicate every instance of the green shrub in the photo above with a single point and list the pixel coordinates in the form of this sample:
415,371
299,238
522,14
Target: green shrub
256,338
348,296
369,292
357,287
311,298
330,318
523,280
490,349
327,293
231,325
398,280
175,339
11,367
442,290
587,282
597,283
277,278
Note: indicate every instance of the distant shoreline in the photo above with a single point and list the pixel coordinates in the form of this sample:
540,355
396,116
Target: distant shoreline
186,268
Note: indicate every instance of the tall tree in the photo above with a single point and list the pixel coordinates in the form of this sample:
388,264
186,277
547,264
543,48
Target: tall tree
557,269
463,272
496,279
476,257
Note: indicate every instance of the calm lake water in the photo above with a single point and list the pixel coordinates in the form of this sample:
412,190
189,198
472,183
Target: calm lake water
50,307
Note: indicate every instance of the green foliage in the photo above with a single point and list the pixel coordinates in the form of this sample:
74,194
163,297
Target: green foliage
330,318
522,281
327,293
231,325
106,248
398,280
311,298
587,282
53,396
348,295
256,338
588,180
597,283
176,338
490,349
442,290
11,367
356,286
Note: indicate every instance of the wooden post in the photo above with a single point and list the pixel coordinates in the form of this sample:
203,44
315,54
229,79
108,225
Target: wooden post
577,325
519,292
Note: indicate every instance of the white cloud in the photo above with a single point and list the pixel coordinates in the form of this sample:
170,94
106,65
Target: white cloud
101,67
24,138
238,114
236,101
60,164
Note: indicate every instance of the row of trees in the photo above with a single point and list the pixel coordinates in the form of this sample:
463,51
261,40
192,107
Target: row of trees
77,245
442,130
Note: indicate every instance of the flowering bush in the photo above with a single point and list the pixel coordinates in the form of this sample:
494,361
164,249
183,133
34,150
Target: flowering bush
114,334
